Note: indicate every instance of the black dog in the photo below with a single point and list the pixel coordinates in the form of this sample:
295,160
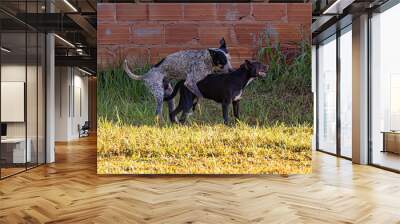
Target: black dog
186,97
222,88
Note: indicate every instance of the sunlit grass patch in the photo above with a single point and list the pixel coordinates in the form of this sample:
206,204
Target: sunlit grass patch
203,149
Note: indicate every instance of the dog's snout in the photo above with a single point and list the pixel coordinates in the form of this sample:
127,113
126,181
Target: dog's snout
263,70
262,74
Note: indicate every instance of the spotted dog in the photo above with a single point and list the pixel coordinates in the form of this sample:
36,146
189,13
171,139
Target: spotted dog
191,65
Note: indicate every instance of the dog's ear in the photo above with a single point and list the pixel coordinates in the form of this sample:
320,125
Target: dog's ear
247,64
222,45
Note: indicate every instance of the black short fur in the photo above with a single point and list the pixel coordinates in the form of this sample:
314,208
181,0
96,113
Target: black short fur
223,45
187,101
222,88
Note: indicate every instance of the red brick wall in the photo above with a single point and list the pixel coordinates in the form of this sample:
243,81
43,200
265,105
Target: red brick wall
152,31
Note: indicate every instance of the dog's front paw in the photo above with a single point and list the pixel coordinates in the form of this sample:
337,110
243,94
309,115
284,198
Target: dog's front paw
173,119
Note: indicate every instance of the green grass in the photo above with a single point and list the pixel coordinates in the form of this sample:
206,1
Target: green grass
273,135
203,149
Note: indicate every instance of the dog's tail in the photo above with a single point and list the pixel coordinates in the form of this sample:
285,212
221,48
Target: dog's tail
130,73
175,91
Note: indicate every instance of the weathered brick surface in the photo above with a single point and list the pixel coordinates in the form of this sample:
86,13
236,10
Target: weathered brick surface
287,32
299,13
232,11
152,31
108,33
247,34
106,12
165,11
193,11
270,12
210,34
107,55
131,12
147,34
135,54
181,33
239,54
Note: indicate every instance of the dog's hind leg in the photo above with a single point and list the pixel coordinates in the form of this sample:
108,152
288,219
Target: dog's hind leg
159,106
236,108
187,107
225,107
195,102
156,88
183,117
178,109
186,112
167,92
171,106
172,115
186,99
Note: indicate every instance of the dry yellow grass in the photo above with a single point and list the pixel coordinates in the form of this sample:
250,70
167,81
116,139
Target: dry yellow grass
203,149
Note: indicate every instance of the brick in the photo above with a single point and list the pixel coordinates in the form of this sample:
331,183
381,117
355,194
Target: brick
158,53
147,34
180,33
232,11
287,32
299,13
239,54
247,34
136,55
100,56
131,12
112,33
106,56
165,11
105,12
269,11
145,39
211,34
196,11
